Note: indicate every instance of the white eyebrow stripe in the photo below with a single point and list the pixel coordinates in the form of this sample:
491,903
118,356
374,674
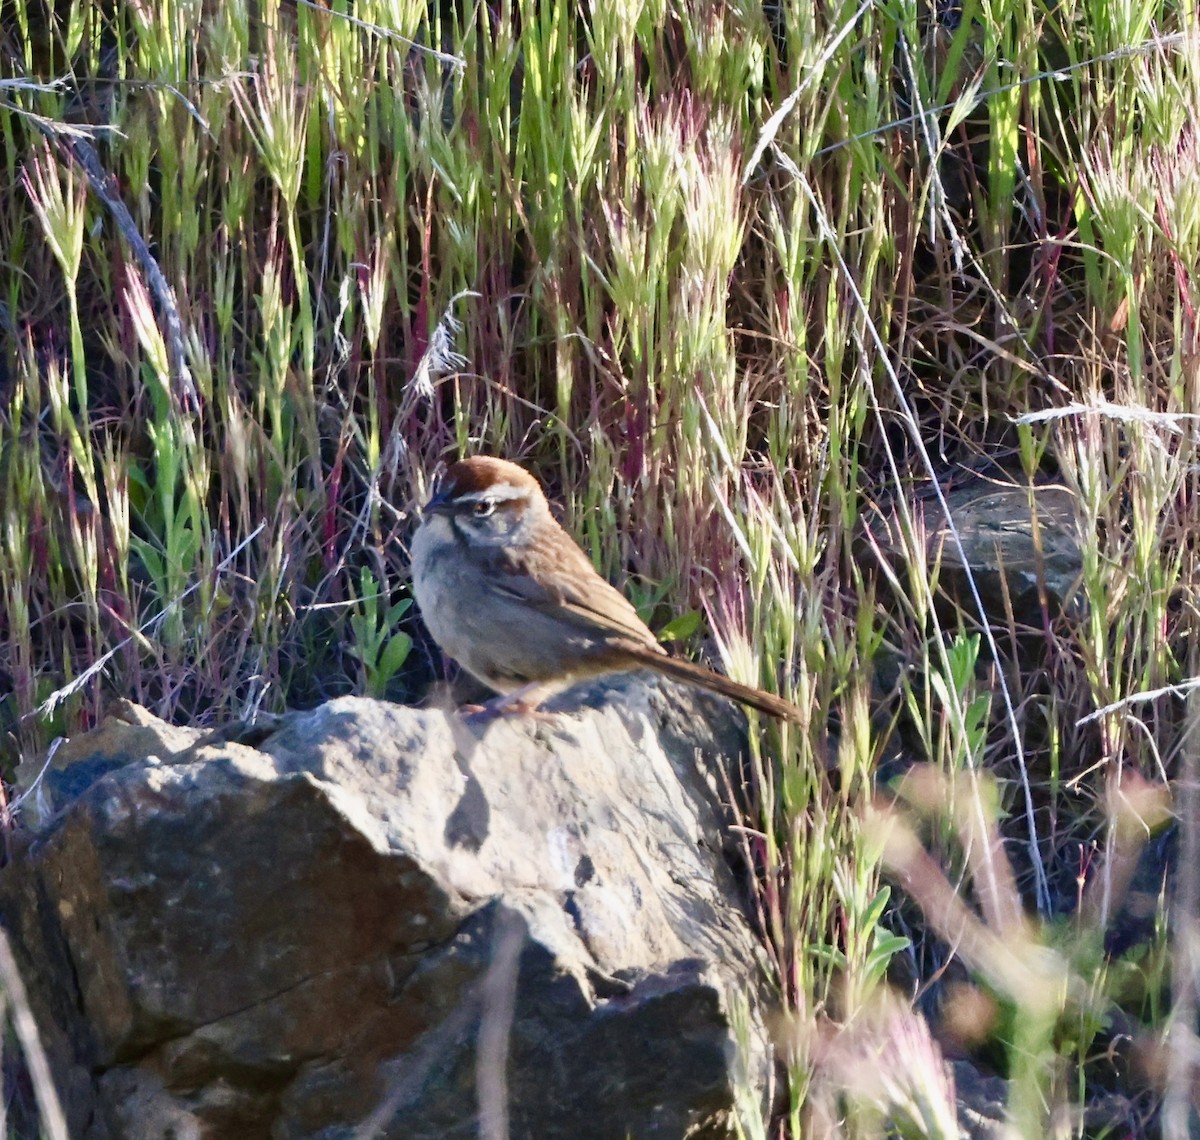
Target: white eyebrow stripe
497,491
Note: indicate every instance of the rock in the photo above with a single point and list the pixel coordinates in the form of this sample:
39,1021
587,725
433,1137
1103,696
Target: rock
982,1103
1013,561
403,922
129,733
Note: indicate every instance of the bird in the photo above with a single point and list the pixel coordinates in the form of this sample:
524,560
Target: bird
507,593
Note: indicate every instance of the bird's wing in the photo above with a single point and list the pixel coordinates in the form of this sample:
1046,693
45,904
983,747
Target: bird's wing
573,593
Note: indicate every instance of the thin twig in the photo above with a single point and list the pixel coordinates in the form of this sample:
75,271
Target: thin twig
54,1122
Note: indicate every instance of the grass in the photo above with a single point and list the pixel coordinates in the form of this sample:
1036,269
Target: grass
728,276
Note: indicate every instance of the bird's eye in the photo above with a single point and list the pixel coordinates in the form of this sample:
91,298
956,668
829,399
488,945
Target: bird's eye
483,508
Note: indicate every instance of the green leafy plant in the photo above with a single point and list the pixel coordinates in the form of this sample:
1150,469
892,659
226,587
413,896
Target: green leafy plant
379,644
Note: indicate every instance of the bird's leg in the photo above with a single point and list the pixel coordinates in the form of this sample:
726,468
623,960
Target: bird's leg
520,702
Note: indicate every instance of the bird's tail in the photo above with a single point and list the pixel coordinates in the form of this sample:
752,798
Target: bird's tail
692,674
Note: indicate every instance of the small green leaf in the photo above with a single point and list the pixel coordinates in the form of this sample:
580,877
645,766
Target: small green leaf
394,655
680,628
397,610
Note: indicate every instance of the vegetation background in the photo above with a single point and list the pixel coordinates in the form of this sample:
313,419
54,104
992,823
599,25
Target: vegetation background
731,276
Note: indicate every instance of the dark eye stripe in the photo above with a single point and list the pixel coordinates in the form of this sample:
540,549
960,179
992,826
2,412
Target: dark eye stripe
484,506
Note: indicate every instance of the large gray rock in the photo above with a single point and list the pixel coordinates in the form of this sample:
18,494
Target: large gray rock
382,919
1020,545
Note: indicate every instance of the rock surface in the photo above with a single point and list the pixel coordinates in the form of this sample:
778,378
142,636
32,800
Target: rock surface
393,922
1020,545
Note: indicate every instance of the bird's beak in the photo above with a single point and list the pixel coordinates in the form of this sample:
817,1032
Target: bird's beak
439,499
439,504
